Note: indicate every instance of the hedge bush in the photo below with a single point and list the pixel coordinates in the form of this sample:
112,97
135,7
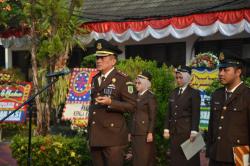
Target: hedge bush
51,150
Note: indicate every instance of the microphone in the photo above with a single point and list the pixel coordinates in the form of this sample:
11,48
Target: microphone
59,73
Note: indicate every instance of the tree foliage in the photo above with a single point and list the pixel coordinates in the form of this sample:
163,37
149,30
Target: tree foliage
11,14
53,30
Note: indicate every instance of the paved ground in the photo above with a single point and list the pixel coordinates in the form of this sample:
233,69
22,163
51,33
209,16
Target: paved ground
5,155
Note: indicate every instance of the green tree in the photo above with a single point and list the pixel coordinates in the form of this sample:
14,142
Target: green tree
10,14
53,30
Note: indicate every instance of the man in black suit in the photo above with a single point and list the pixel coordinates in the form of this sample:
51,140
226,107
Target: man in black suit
182,119
229,124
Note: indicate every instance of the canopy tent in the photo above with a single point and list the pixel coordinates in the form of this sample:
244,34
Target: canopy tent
227,23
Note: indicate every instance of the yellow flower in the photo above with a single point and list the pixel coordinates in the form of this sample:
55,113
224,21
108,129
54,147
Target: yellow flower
72,154
58,144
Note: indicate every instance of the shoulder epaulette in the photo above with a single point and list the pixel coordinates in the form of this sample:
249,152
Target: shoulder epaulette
129,83
122,73
97,75
151,92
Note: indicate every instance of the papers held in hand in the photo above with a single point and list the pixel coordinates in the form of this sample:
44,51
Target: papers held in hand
191,148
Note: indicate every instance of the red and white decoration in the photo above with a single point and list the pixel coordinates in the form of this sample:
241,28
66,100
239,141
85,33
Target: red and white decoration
227,23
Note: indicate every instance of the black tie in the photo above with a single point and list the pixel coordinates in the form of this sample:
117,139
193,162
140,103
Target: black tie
180,91
102,79
228,95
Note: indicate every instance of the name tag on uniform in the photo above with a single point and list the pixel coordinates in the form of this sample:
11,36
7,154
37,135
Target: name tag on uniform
216,102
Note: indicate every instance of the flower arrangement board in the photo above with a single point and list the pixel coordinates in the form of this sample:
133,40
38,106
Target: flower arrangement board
205,60
78,99
11,97
204,73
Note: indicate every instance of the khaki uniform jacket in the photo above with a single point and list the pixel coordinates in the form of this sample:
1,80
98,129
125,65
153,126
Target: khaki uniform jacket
229,123
184,111
143,120
106,124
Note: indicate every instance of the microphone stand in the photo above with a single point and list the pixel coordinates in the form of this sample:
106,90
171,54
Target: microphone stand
28,101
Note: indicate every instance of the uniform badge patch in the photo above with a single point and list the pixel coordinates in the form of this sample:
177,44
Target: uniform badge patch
130,87
99,46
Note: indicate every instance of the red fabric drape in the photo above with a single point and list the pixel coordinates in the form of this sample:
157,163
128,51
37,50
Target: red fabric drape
226,17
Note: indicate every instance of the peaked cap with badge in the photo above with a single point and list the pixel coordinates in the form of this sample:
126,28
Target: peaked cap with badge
105,48
230,59
184,69
145,75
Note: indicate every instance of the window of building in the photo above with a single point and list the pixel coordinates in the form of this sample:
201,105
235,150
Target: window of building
21,61
168,53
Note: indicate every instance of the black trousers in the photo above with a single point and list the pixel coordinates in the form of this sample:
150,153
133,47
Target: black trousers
107,156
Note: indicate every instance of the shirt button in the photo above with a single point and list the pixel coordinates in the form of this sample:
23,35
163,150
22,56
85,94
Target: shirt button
176,106
222,117
220,127
175,113
112,125
224,108
93,122
238,141
219,138
235,109
94,113
174,120
142,122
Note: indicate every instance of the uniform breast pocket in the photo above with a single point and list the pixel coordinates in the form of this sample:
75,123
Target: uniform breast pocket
113,126
142,125
171,102
216,106
240,140
237,108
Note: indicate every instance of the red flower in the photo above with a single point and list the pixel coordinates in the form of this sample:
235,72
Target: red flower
42,148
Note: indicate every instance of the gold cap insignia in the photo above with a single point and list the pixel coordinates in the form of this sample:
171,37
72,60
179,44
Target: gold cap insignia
113,80
99,46
221,56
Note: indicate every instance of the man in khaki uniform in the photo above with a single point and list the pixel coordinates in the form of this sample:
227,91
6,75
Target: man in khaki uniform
229,124
112,95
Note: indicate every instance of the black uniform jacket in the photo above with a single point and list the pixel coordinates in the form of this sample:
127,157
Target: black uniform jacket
229,123
184,111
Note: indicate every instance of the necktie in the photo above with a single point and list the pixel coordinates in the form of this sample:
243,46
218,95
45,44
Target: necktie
228,95
180,91
102,79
